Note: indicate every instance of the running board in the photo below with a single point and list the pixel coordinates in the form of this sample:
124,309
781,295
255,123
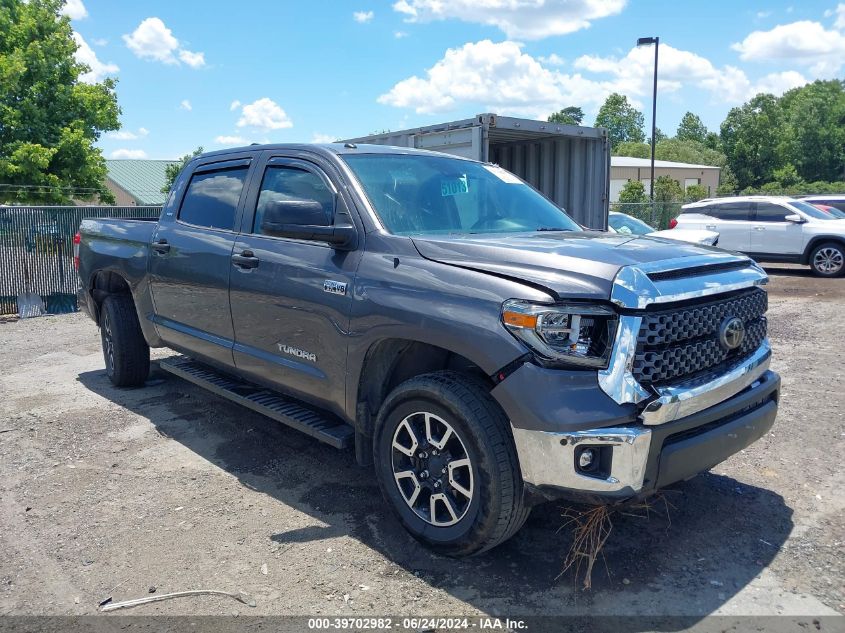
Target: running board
322,426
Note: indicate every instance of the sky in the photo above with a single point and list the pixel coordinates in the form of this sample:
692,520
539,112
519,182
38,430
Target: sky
219,74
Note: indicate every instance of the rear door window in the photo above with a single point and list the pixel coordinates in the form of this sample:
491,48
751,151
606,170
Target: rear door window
731,211
212,198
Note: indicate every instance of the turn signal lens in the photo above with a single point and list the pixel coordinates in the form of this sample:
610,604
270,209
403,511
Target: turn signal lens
517,319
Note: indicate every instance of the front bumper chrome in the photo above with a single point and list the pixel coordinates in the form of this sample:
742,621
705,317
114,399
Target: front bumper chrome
683,399
548,459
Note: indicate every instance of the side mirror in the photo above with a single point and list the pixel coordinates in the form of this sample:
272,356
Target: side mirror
305,220
795,218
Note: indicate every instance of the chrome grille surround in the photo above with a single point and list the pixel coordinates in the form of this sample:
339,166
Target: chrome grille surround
715,273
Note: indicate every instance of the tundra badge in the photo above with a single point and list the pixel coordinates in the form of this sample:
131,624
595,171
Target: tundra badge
334,287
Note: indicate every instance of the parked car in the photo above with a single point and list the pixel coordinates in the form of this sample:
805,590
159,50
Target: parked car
625,224
772,229
44,237
829,199
836,213
464,334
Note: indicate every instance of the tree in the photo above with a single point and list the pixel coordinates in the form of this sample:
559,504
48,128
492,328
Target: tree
694,193
635,150
667,197
727,182
659,134
633,193
814,118
570,115
692,152
171,172
691,129
622,121
754,139
49,118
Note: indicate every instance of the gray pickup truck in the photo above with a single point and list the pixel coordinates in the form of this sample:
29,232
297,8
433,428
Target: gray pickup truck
474,344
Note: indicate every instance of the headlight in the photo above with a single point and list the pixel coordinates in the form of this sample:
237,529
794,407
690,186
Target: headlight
563,334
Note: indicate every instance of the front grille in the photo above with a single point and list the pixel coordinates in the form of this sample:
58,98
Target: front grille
682,343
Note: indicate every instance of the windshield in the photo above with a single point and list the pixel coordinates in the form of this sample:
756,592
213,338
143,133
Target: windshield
811,211
627,225
415,194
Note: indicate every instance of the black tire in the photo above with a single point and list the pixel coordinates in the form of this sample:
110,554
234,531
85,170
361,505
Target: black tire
828,260
125,351
496,509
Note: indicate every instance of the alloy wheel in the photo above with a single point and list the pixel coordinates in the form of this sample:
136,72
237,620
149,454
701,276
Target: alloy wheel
829,260
432,469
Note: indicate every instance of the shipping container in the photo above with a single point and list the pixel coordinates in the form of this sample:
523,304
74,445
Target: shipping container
568,163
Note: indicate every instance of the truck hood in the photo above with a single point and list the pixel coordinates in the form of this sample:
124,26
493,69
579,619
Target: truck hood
568,264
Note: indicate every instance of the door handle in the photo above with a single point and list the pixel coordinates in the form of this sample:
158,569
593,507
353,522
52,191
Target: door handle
759,228
246,260
161,246
711,227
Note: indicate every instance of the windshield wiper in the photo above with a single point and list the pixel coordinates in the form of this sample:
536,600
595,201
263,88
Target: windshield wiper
550,228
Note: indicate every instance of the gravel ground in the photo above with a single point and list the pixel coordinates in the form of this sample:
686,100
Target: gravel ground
109,492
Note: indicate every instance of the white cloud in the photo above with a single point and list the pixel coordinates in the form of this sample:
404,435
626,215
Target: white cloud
152,40
363,16
128,153
324,138
264,114
763,14
231,140
99,41
194,60
400,34
499,76
633,74
234,105
85,55
75,10
525,19
839,12
804,42
552,60
128,135
186,105
502,77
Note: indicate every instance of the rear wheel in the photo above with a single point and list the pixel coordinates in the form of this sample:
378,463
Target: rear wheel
446,462
828,260
125,351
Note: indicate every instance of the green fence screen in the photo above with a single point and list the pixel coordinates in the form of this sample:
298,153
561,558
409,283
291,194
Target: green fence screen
36,252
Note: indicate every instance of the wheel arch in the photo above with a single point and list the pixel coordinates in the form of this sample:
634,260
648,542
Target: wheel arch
389,362
816,241
104,283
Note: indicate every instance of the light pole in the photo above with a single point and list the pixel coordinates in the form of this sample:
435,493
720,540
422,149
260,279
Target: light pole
647,41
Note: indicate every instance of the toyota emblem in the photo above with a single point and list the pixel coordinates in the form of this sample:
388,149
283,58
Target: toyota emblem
731,333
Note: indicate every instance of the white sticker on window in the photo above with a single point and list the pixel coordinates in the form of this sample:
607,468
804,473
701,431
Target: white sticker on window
503,174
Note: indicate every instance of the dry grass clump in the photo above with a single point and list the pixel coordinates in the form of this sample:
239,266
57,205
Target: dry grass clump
591,527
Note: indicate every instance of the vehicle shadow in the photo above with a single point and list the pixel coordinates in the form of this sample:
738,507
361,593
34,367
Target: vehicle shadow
788,271
717,536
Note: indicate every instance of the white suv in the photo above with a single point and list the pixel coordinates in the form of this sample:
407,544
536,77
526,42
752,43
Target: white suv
772,229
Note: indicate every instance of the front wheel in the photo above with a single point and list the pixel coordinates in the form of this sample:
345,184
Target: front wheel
828,260
446,463
125,350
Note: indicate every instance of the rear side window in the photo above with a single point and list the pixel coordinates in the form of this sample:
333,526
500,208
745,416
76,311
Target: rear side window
737,211
212,198
768,212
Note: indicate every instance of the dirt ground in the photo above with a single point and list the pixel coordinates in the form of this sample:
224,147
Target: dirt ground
109,492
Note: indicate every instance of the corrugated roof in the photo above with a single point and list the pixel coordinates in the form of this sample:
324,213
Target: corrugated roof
140,178
630,161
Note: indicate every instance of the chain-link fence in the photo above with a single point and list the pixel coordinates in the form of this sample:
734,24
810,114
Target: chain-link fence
36,252
656,214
